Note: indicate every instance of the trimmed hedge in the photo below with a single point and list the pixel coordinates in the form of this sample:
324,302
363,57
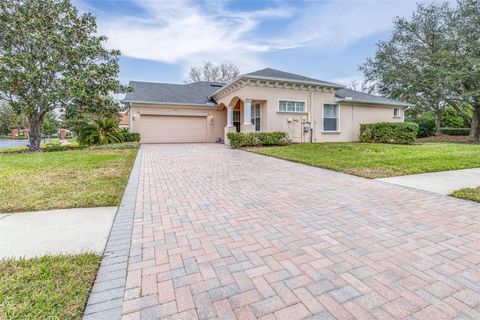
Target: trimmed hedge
456,131
252,139
131,136
389,132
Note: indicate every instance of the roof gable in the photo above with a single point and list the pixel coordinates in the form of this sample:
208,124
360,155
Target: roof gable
269,73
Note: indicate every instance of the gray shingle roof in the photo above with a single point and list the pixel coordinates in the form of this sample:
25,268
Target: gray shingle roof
191,93
356,96
277,74
201,92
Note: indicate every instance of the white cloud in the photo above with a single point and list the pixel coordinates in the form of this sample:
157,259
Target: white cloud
184,32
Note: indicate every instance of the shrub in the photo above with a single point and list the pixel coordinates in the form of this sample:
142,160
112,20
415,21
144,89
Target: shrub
55,146
426,125
389,132
251,139
451,119
456,131
117,146
130,136
103,131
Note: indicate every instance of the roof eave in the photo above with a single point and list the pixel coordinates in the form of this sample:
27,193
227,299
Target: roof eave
393,104
170,103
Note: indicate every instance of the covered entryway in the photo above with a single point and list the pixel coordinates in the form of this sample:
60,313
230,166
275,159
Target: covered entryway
173,128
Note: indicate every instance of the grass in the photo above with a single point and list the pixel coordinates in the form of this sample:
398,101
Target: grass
65,179
472,194
50,287
379,160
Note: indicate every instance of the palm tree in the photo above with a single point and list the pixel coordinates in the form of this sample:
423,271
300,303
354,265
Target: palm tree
103,131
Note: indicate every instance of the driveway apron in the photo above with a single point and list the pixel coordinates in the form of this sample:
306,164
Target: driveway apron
214,232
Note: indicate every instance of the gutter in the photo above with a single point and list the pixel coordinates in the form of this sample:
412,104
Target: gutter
392,104
211,105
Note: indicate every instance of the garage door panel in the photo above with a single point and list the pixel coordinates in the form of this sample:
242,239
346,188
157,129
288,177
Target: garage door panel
172,129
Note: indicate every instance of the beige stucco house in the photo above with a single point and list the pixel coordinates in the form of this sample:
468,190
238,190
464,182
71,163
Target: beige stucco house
309,110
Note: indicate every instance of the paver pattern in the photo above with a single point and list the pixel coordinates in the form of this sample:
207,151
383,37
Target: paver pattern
222,233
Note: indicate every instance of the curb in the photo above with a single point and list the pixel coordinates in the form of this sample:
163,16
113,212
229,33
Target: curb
106,298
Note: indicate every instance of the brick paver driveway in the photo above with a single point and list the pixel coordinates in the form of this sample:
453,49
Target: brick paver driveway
221,233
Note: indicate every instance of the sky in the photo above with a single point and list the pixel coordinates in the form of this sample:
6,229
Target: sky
326,40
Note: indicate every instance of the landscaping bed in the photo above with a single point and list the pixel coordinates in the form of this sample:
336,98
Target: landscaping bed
379,160
444,138
472,194
50,287
91,177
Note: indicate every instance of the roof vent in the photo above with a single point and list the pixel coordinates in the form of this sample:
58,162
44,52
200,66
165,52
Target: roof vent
216,85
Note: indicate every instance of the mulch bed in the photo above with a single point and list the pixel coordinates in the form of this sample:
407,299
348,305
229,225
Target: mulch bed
444,138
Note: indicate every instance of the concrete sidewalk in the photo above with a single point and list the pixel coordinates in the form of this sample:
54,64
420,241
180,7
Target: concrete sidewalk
64,231
444,182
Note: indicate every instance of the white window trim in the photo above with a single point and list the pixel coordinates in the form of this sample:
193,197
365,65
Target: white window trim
259,105
305,107
338,119
399,116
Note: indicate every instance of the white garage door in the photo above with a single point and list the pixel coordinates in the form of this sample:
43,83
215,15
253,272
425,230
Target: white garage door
172,129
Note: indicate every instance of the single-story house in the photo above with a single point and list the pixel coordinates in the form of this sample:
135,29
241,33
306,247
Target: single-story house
309,110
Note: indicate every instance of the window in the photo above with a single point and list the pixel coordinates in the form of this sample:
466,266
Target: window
291,106
330,117
396,113
256,116
236,119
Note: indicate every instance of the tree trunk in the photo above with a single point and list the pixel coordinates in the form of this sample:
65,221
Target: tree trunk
35,135
438,129
474,135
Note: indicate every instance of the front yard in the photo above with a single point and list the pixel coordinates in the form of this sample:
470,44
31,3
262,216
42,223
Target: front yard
66,179
47,287
379,160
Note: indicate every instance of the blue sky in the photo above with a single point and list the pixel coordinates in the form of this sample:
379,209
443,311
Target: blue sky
160,40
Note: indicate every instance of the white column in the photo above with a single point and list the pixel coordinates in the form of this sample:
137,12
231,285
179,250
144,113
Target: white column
229,116
247,111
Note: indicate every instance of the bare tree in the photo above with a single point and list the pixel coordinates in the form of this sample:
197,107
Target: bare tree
360,86
223,72
354,85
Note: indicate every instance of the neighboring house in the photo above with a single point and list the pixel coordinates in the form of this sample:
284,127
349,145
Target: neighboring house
264,100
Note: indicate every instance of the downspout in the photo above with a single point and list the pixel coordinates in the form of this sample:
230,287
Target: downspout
310,117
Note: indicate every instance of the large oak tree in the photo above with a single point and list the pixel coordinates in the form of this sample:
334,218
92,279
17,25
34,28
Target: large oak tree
433,60
462,62
408,66
51,57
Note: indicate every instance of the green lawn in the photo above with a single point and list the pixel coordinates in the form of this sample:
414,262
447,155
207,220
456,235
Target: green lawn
472,194
50,287
65,179
379,160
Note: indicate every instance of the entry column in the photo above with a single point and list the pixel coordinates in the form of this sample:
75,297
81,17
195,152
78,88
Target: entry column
247,116
229,127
